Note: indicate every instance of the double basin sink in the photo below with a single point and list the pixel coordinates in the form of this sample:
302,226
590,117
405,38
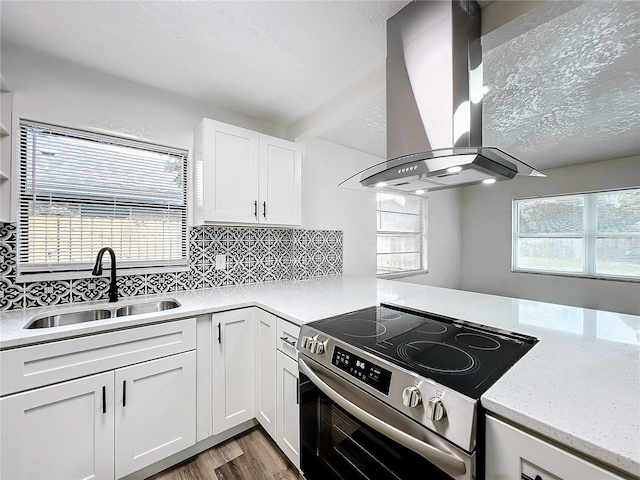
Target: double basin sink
102,313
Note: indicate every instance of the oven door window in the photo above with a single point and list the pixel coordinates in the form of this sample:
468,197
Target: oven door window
337,445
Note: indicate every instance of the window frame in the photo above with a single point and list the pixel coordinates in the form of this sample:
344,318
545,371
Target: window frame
589,237
68,270
423,240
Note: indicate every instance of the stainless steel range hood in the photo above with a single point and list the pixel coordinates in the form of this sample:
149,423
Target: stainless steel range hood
434,104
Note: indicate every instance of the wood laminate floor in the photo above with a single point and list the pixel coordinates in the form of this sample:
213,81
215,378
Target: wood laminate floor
252,455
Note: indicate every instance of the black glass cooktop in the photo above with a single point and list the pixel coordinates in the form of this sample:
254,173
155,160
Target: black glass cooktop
464,357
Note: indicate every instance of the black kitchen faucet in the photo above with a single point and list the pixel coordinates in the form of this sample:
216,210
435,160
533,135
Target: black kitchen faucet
97,270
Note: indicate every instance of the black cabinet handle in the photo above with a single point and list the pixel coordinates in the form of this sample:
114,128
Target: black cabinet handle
124,393
297,391
104,399
255,208
264,209
219,334
288,342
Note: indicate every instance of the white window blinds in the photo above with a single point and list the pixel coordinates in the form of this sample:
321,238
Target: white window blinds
401,234
80,191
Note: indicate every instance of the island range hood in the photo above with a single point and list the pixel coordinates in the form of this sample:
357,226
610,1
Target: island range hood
434,105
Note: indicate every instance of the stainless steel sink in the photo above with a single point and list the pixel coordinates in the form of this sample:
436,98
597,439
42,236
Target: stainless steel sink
149,307
70,318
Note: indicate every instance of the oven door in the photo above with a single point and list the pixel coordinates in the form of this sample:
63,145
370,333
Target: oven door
345,433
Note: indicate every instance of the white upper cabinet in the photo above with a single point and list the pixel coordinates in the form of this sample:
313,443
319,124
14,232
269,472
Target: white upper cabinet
280,179
244,177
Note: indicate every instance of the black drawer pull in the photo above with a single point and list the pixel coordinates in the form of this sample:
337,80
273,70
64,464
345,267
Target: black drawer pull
104,399
288,342
124,393
219,333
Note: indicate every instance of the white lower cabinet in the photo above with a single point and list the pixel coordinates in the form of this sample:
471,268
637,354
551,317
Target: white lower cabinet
101,426
288,413
512,452
265,340
277,407
71,430
63,431
155,411
233,368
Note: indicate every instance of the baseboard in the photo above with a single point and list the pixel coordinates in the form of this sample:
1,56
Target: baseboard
199,447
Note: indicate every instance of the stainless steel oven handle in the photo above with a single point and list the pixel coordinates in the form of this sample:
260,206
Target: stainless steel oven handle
446,461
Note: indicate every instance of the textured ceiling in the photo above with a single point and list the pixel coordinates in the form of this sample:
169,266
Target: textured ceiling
564,76
564,82
365,130
567,91
270,60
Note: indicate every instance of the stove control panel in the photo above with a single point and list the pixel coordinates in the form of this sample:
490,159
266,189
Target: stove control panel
364,370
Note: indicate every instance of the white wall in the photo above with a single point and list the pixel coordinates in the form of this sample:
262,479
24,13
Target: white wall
49,90
444,241
486,241
327,206
52,91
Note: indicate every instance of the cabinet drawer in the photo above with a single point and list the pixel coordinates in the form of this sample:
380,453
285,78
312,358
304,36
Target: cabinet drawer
512,452
287,338
39,365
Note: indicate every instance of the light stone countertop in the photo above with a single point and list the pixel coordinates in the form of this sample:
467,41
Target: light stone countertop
579,385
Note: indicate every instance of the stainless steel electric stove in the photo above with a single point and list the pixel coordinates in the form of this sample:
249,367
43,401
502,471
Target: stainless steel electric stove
384,386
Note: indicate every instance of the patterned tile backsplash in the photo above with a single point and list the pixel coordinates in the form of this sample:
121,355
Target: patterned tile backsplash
253,255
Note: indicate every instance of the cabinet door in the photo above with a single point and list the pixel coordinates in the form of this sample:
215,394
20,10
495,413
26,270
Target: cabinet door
280,180
288,409
230,173
512,452
63,431
265,370
155,411
233,369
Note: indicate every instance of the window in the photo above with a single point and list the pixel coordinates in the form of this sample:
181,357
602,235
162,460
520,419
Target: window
401,234
592,234
80,191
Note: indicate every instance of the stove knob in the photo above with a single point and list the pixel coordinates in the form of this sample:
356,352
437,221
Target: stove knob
435,409
317,346
411,397
306,342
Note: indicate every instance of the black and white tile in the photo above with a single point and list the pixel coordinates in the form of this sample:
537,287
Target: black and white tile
161,282
89,289
7,259
252,255
190,280
132,285
11,294
41,294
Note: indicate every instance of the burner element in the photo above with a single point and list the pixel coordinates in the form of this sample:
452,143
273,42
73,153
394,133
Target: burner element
478,341
432,328
386,314
363,328
437,357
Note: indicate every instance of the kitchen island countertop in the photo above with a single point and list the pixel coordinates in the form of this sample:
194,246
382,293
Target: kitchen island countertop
579,386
